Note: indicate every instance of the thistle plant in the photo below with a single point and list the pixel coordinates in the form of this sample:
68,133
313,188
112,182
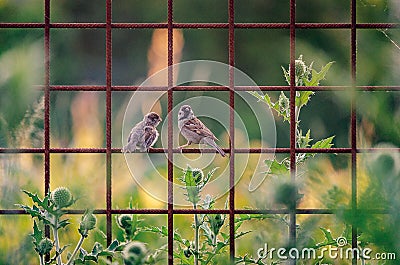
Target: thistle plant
287,193
305,75
50,211
209,239
208,225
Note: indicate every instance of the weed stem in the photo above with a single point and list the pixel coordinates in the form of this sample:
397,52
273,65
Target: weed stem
56,241
78,246
196,238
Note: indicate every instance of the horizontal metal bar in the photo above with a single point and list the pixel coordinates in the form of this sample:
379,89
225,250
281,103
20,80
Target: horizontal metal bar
139,25
216,88
197,151
208,211
21,25
78,25
201,25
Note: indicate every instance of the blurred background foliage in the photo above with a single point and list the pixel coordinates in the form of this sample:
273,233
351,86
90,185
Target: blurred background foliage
78,118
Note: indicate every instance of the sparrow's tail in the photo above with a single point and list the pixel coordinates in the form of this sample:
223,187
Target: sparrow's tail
220,151
213,144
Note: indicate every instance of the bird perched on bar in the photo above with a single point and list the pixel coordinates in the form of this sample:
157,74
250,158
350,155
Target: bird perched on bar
194,130
144,134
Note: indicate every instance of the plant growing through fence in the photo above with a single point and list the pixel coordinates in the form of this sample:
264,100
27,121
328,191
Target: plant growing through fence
51,210
304,76
209,239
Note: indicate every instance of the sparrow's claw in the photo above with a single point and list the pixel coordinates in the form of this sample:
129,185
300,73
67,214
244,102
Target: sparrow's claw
185,145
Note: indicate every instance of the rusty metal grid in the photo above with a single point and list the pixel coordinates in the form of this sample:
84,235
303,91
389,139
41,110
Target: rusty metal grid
231,26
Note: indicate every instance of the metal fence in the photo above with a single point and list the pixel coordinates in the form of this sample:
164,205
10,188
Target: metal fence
109,26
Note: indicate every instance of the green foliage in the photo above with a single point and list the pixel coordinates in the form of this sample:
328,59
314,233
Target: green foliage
50,211
194,182
304,76
210,240
288,195
381,193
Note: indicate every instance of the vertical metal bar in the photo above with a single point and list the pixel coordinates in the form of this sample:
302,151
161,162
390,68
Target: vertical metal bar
353,126
108,119
47,96
292,226
231,10
47,106
170,135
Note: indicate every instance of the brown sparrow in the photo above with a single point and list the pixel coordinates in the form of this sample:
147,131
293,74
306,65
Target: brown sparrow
144,134
194,130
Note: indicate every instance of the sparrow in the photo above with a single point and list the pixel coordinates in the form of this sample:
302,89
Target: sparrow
144,134
194,130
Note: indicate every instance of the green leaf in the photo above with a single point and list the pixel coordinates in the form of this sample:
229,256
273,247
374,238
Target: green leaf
58,253
163,231
220,245
193,191
255,94
286,74
328,235
283,107
316,77
34,197
37,233
276,168
303,97
207,233
113,245
63,223
264,98
178,237
209,175
324,143
106,253
208,202
34,211
91,257
130,203
97,248
242,234
304,141
225,236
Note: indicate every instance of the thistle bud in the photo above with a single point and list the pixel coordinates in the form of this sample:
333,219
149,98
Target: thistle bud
216,222
198,175
125,221
300,68
45,245
62,197
134,253
87,223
